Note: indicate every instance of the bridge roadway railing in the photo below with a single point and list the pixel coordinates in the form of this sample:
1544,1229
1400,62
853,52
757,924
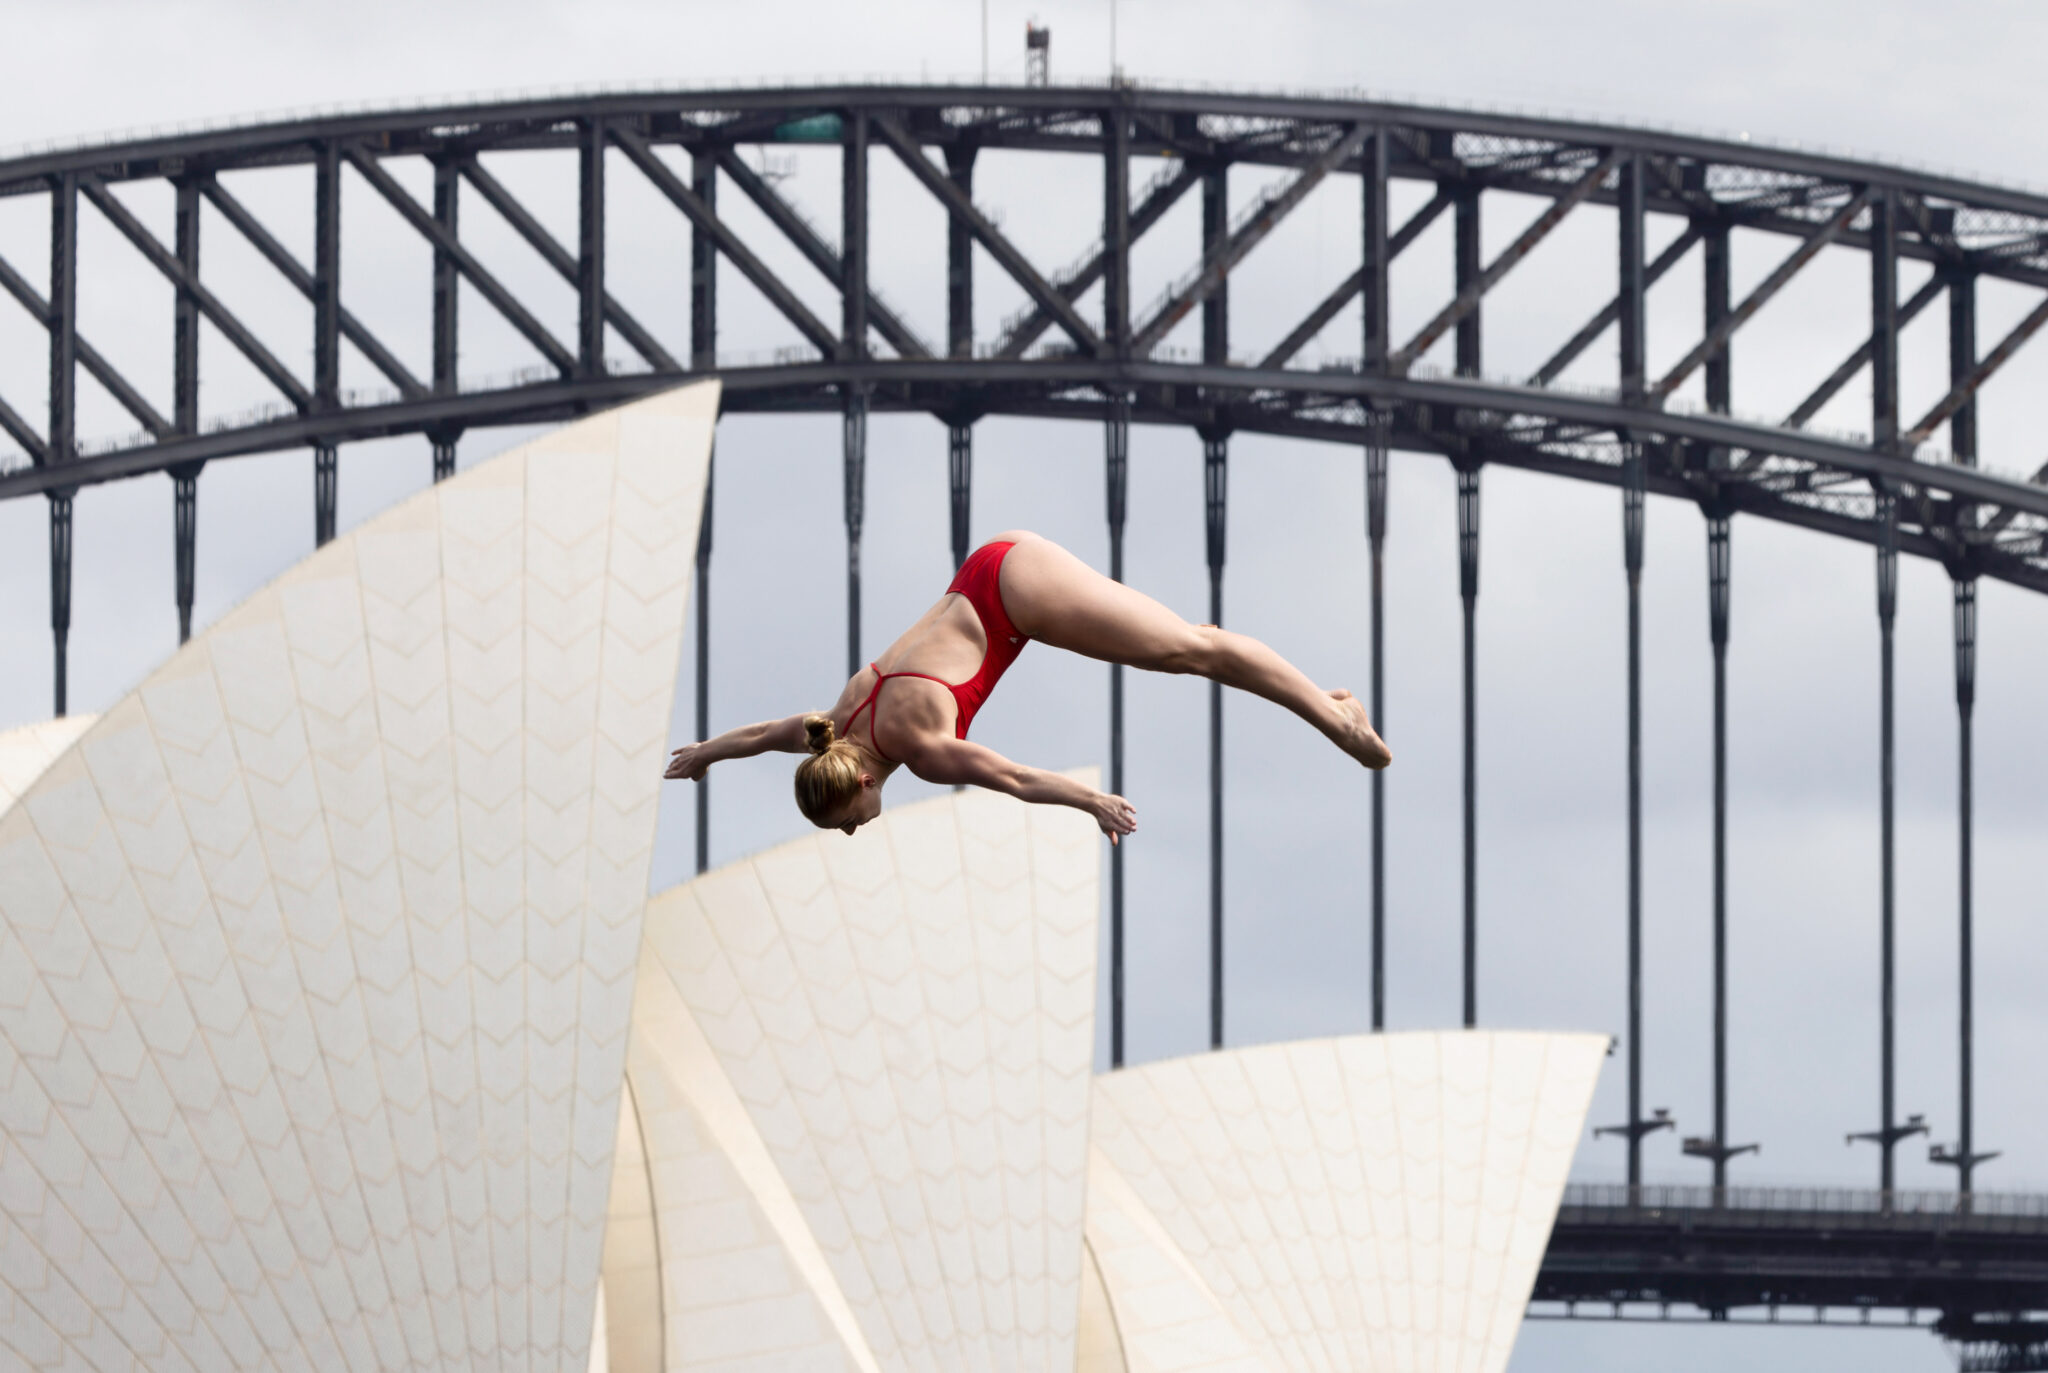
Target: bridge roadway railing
1971,1266
1777,1208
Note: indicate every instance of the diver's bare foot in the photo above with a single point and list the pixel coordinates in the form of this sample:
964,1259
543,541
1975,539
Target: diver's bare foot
1354,732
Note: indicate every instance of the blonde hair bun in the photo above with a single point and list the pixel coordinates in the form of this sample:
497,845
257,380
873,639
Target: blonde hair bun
830,778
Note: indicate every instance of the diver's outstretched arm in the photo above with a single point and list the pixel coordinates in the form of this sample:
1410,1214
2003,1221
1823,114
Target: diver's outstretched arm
689,762
962,762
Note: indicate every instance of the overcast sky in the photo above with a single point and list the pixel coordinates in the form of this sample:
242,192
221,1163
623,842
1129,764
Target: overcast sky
1942,86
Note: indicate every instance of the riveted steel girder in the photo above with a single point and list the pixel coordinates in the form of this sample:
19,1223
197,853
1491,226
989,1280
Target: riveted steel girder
1712,186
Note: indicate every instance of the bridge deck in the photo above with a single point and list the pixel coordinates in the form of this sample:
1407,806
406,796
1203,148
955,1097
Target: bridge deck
1979,1264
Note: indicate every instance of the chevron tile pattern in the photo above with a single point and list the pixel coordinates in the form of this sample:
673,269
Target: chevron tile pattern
317,949
1375,1202
862,1069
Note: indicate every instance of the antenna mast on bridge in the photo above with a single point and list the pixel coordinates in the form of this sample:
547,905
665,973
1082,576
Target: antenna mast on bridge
1037,53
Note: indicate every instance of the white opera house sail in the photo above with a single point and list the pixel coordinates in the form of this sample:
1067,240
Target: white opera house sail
317,948
338,1029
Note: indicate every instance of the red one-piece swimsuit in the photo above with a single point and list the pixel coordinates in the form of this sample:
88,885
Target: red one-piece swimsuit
978,581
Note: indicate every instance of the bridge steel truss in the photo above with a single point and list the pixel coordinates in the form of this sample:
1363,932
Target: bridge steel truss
1111,365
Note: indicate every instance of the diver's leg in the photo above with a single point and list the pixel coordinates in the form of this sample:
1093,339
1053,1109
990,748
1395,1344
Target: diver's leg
1054,597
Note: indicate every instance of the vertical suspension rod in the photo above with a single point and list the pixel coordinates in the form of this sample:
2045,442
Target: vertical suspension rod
63,418
326,327
447,193
60,593
447,297
853,475
1465,244
1116,455
1116,337
1717,615
1966,698
704,266
590,247
443,441
1468,592
960,344
1215,509
1887,611
185,402
1884,319
185,312
704,664
1962,346
185,534
1631,283
853,348
1465,252
326,488
1373,180
704,358
1884,428
1720,386
1215,501
959,486
1376,536
1632,498
1719,367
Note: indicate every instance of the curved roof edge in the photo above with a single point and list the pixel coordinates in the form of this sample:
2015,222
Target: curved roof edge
27,751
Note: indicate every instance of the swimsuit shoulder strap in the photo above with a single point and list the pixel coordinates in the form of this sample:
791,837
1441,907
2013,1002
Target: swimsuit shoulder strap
926,675
868,705
874,717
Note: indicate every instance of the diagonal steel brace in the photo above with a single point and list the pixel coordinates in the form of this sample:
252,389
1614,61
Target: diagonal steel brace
817,252
1154,208
1298,338
19,429
1006,253
729,243
541,241
1468,299
1226,255
487,285
1717,337
89,357
295,272
167,262
1960,395
1839,378
1610,312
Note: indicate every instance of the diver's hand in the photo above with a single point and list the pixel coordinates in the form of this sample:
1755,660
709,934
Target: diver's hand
687,764
1115,815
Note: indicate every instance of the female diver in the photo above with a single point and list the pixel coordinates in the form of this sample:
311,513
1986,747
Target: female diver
1015,588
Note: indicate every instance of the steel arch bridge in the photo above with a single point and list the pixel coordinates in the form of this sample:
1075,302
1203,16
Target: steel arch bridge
1080,347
